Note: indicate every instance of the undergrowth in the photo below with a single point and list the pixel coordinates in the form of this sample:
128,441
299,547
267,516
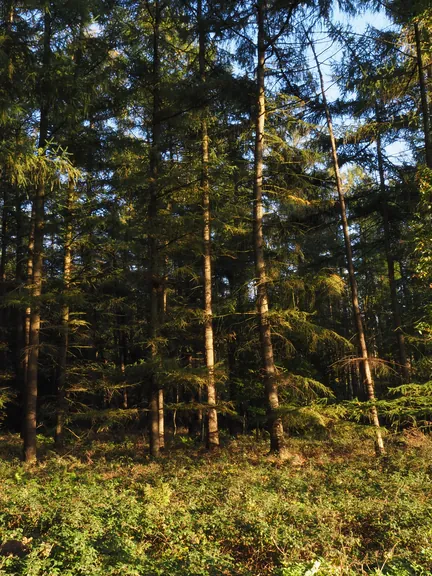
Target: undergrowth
328,508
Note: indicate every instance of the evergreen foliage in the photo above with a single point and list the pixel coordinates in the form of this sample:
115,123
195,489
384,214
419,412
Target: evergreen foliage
130,127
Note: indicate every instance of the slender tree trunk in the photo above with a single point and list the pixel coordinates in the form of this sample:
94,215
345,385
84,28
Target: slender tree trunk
30,416
161,419
67,270
153,245
122,346
424,99
429,84
7,22
349,257
34,336
212,418
397,322
19,282
7,17
4,239
65,313
3,257
31,241
268,365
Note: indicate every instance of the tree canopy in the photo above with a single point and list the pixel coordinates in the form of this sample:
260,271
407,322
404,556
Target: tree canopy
215,217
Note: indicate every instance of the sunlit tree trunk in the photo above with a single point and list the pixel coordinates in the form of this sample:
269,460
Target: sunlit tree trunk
162,304
370,388
212,419
268,365
161,418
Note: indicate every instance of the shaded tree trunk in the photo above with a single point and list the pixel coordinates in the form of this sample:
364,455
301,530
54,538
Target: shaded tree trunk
29,290
153,244
3,257
268,365
4,238
64,345
7,21
19,282
423,95
30,416
370,388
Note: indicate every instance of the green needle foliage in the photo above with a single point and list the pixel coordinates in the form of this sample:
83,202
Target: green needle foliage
105,111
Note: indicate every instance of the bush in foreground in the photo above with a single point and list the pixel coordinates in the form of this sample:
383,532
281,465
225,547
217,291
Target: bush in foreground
329,508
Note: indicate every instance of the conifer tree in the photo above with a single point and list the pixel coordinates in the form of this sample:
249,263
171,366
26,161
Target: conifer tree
349,258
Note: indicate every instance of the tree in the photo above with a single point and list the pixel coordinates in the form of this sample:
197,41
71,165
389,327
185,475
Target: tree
37,265
349,258
269,370
212,423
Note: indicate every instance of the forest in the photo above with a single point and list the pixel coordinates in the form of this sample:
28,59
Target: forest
215,287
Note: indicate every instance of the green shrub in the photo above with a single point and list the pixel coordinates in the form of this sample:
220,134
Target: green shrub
325,511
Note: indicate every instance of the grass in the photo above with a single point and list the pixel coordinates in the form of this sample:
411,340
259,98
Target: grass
329,508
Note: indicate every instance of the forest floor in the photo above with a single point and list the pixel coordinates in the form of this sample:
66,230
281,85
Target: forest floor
330,507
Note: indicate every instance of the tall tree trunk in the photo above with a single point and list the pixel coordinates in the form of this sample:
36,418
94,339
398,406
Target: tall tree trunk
29,288
423,95
67,270
4,239
7,21
3,257
30,416
212,418
19,283
65,313
153,244
349,257
268,365
397,322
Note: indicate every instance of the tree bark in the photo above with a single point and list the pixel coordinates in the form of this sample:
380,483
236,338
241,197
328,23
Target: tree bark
30,416
153,244
65,313
4,239
370,387
19,283
397,322
7,21
161,419
212,418
268,365
423,96
3,260
29,273
67,270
